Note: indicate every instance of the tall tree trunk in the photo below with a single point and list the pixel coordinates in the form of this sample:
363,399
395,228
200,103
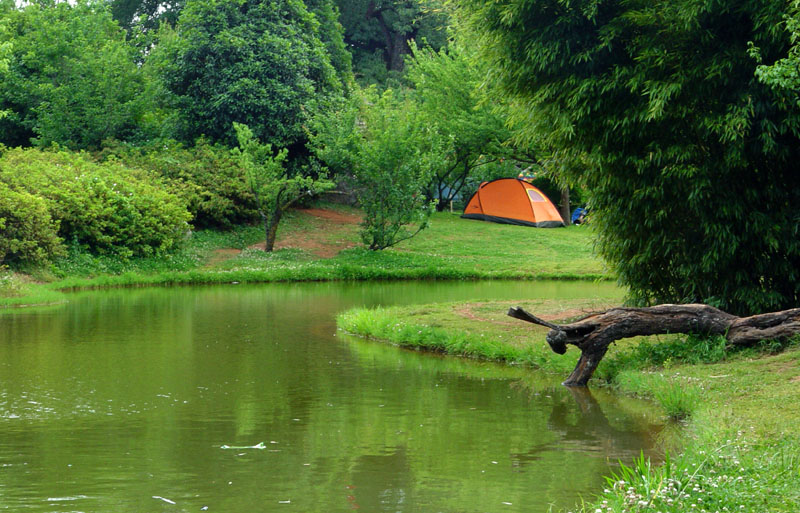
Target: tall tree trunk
396,42
564,210
271,228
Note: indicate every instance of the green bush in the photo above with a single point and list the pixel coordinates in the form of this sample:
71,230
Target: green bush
106,208
29,233
207,177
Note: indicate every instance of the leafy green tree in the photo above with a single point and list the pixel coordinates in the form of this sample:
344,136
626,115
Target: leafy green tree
5,54
381,142
378,33
447,89
255,62
139,16
151,12
783,75
71,79
275,188
693,159
331,33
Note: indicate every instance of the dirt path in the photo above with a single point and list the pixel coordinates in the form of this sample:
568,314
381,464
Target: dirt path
326,234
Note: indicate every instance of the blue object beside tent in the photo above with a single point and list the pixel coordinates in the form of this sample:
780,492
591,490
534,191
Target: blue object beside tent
577,213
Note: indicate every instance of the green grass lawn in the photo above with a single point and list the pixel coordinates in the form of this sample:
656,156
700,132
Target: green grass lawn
451,248
491,247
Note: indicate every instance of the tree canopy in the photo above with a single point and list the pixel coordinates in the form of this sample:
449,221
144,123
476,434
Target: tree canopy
254,62
379,33
692,158
447,89
71,76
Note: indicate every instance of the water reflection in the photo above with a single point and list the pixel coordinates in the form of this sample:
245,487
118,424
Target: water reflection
124,398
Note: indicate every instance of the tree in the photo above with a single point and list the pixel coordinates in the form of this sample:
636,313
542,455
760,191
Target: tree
151,12
693,179
274,187
447,89
71,77
783,75
390,155
146,16
255,62
5,53
378,33
331,33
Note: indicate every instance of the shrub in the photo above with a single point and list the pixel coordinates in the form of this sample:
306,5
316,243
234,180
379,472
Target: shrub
391,154
106,208
207,177
29,233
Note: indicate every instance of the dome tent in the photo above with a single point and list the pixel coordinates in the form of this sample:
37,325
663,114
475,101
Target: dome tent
512,201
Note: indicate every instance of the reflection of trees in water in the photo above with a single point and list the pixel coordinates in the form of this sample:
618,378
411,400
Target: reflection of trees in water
581,425
381,482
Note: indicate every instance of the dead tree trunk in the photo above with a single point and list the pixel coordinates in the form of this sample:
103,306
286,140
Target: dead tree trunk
594,333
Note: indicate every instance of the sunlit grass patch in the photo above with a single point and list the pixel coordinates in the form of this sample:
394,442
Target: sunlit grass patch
739,474
743,453
678,398
477,329
19,290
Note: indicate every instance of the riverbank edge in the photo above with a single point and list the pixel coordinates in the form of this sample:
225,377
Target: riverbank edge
46,293
727,456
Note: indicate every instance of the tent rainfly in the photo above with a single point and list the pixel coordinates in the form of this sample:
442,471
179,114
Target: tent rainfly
512,201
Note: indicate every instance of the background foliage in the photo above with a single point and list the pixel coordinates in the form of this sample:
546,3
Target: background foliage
71,78
29,233
693,179
206,176
107,208
255,62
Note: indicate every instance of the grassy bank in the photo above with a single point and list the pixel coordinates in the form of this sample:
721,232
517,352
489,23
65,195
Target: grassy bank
315,248
740,450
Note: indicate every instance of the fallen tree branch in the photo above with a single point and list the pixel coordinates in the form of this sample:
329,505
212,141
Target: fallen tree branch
594,333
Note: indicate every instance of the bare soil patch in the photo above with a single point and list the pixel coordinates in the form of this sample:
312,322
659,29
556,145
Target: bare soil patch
333,216
327,233
220,255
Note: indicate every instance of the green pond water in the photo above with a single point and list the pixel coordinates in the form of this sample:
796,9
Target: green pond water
245,399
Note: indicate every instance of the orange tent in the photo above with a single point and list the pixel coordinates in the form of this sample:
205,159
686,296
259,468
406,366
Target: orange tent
512,201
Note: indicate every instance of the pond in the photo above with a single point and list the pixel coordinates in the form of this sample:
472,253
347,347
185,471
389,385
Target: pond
243,398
